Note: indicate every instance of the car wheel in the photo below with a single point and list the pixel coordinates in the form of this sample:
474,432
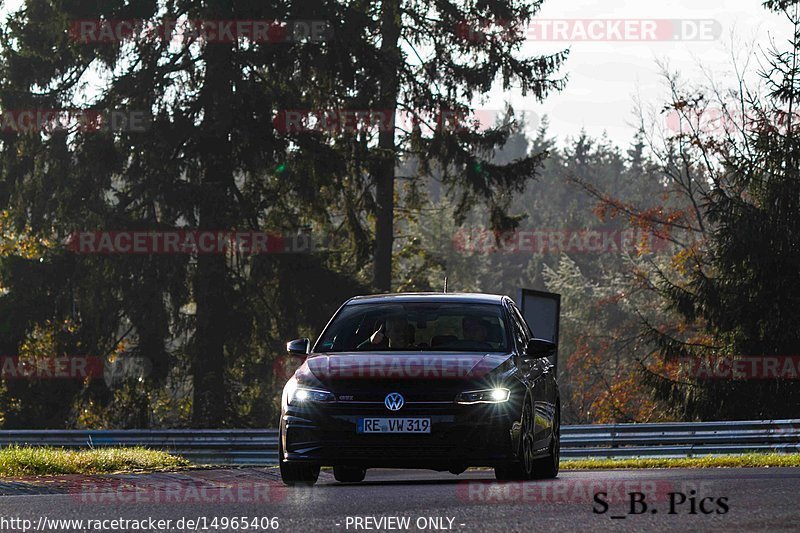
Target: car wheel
547,467
296,473
349,474
521,469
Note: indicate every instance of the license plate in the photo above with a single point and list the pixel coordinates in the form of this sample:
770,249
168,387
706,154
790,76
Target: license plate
393,425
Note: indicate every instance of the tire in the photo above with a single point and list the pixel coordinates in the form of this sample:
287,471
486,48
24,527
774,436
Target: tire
522,469
349,474
294,474
547,467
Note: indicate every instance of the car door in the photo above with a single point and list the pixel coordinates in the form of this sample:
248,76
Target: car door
533,372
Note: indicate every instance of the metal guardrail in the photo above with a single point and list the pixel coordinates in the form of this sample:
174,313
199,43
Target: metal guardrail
260,446
680,439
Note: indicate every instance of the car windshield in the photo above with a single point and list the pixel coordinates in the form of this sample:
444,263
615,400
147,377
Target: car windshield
416,326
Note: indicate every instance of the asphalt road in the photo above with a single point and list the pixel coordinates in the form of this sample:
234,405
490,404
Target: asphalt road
389,500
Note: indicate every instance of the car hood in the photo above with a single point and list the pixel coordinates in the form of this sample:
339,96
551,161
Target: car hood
401,366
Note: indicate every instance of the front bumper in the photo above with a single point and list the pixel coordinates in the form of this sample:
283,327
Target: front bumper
461,436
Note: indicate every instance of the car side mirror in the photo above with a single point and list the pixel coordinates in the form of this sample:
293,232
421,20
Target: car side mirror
299,346
540,348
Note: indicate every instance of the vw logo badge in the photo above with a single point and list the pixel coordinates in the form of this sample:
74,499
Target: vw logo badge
394,401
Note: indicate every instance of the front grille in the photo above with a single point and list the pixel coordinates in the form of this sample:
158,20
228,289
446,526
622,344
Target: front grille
378,408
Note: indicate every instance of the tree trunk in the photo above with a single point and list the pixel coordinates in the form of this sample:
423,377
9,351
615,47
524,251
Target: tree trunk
210,283
384,189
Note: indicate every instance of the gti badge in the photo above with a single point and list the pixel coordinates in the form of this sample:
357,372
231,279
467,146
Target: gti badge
394,401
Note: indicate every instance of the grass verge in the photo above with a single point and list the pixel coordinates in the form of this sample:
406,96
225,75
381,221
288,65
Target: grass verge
38,461
751,460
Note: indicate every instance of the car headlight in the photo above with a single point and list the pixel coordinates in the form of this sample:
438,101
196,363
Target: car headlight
496,395
299,394
304,395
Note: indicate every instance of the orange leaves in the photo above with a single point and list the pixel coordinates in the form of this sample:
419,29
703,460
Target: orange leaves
21,244
685,260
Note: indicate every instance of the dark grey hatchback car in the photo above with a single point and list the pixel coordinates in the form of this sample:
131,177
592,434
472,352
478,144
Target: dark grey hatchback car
422,380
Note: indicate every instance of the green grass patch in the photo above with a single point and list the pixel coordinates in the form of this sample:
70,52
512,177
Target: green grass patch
751,460
41,461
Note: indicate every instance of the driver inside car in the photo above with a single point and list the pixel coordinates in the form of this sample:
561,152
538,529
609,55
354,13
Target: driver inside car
476,331
391,334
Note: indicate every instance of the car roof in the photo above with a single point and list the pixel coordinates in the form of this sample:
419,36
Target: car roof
438,297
